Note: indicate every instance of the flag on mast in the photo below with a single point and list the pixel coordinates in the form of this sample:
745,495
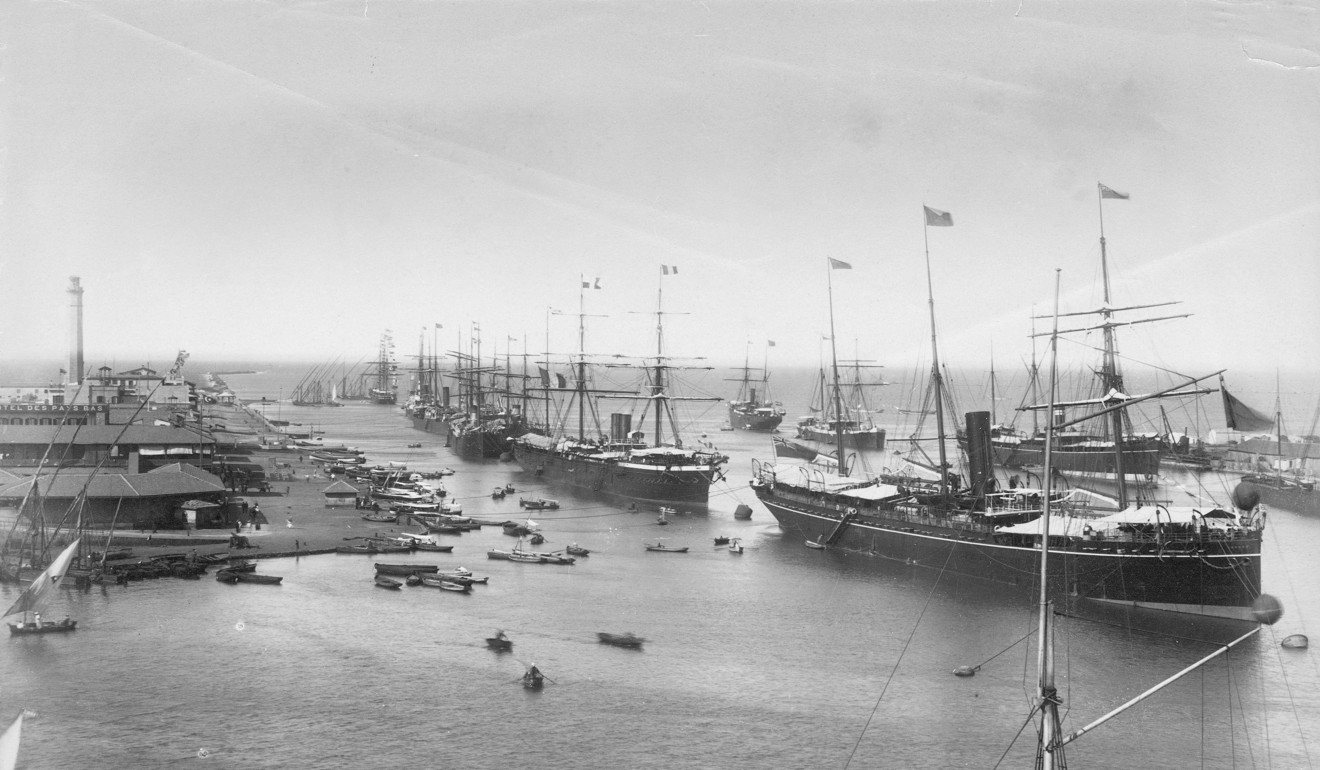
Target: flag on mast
838,264
1109,192
669,269
590,285
935,218
770,343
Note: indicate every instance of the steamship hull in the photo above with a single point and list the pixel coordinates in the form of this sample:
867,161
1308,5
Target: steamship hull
761,421
1140,458
1206,577
638,481
872,438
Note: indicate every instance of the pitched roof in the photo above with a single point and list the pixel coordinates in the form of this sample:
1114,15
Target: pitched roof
340,486
161,482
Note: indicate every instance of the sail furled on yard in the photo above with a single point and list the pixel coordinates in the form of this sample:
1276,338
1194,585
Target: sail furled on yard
40,589
1239,416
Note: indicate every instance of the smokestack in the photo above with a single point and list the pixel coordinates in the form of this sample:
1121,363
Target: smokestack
75,373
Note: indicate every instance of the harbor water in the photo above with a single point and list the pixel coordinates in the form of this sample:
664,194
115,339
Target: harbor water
779,656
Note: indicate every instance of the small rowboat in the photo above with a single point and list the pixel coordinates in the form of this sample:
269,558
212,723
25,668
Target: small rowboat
499,642
386,582
667,548
225,576
621,640
577,550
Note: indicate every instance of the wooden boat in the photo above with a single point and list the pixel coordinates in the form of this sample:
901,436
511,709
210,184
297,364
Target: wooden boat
537,538
577,550
499,642
743,511
621,640
667,548
735,545
225,576
241,566
434,547
537,503
381,516
533,679
495,553
814,544
526,558
414,446
466,578
387,582
413,579
515,529
405,569
29,602
722,540
661,520
447,583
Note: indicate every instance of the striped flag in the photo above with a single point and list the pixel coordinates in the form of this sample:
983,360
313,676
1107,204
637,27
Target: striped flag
838,264
669,269
935,218
1108,192
589,285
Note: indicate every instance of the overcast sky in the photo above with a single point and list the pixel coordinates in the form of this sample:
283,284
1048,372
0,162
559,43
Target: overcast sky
289,180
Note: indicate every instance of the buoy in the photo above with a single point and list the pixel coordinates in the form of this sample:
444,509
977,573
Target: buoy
1296,642
1266,609
1245,496
965,671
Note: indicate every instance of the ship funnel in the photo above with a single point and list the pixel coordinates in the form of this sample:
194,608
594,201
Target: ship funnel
75,371
620,426
978,451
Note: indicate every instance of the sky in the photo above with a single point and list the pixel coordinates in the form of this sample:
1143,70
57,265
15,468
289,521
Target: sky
289,181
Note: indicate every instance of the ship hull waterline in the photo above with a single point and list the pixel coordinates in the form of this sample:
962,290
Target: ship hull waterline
1219,585
656,484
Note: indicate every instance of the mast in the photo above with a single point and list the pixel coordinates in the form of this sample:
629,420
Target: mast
937,219
1110,377
834,362
1046,694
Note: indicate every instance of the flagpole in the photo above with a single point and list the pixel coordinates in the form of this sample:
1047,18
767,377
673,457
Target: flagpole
935,360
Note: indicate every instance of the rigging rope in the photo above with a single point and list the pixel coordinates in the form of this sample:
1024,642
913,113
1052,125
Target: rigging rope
870,717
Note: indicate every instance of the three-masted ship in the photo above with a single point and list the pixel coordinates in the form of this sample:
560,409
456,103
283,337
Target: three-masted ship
619,461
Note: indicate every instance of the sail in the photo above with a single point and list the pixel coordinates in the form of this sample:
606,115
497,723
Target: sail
36,594
9,743
1239,416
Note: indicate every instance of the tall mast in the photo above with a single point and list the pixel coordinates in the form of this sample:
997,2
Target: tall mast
582,361
1111,379
1046,694
940,219
834,361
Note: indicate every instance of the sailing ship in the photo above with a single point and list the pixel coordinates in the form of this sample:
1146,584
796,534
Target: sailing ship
621,463
1201,560
1050,754
839,416
1115,450
27,608
1284,481
383,373
486,417
752,409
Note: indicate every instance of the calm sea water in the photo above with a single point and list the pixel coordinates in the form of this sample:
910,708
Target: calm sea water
781,656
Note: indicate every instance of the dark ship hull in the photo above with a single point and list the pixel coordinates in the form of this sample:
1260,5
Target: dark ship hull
1285,493
860,438
1195,574
1140,458
754,420
618,476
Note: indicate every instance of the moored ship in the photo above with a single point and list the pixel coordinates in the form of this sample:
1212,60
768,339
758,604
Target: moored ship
1195,561
752,409
620,462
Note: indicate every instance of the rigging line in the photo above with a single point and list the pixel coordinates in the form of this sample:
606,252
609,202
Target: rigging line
1006,649
930,595
1291,699
1028,721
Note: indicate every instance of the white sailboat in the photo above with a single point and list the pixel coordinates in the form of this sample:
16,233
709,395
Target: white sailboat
9,743
28,607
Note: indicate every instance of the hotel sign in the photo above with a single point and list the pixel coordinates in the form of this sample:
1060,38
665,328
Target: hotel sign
61,408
